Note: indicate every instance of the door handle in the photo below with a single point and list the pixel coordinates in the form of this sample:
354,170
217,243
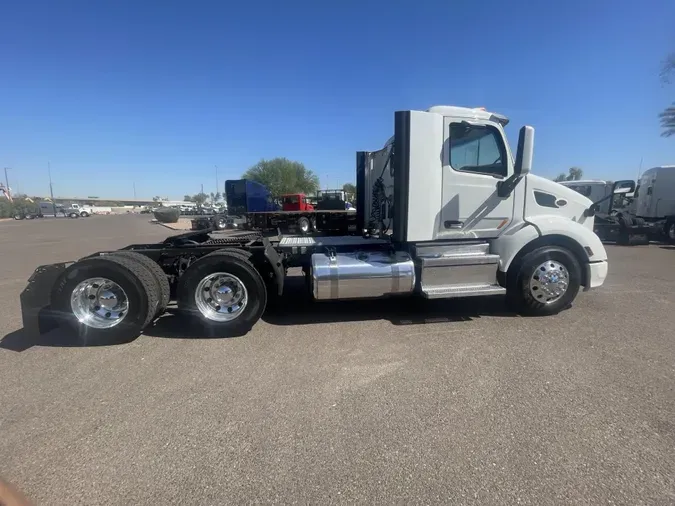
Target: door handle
453,224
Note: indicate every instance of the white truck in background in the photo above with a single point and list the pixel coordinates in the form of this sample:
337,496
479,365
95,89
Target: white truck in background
444,210
648,212
84,210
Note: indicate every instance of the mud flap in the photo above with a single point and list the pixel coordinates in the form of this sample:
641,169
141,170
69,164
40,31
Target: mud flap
278,268
36,299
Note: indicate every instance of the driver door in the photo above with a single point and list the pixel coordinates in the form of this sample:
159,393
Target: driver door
475,159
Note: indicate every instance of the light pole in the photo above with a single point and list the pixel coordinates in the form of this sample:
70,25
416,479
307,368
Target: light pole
51,189
7,182
217,184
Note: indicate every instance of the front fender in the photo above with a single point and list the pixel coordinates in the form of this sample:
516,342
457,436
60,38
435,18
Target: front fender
587,239
537,228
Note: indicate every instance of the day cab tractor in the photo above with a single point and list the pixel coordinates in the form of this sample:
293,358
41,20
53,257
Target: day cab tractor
300,209
444,210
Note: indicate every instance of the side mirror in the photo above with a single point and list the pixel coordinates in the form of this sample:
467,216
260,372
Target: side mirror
525,151
622,187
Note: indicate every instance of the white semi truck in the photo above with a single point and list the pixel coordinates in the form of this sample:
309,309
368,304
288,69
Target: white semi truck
444,210
649,214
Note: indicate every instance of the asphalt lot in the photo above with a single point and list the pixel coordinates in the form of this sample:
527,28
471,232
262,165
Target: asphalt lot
372,403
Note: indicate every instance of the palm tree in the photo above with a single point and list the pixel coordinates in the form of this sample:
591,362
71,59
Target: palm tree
668,121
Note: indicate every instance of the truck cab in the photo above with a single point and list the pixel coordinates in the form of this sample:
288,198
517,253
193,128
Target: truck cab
296,202
448,187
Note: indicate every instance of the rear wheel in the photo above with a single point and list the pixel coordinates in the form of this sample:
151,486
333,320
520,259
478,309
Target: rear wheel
670,232
223,291
105,300
304,225
18,217
161,281
220,223
545,281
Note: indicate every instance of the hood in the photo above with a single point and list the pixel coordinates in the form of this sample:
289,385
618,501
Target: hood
548,197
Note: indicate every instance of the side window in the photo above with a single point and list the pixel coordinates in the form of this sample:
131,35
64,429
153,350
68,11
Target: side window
584,190
649,190
477,148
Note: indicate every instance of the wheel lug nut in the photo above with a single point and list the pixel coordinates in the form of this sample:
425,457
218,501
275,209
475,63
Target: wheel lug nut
209,299
107,315
92,297
217,308
96,308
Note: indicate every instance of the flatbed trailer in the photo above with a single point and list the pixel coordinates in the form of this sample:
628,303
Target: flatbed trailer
304,222
424,229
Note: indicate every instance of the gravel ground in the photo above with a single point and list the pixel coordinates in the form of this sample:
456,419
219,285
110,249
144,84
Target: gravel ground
372,403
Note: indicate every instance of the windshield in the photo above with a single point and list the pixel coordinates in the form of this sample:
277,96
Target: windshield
291,199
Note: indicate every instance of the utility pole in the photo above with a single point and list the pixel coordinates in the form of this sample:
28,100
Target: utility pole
9,193
217,184
51,188
202,188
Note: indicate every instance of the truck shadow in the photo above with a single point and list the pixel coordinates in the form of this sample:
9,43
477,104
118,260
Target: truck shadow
296,307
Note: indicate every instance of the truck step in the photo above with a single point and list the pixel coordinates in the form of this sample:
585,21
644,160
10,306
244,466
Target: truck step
470,290
459,259
452,249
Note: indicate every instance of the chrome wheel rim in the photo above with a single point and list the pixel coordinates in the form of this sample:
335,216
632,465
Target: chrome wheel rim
549,282
221,297
99,303
304,226
671,232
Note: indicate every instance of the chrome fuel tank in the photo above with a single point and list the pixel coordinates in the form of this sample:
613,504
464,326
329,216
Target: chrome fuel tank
364,274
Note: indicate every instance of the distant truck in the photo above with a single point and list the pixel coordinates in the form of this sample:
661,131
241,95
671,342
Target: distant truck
296,202
648,211
83,210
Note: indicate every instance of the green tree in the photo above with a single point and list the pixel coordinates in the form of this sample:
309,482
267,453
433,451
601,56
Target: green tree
200,198
281,175
215,197
573,174
187,198
667,117
350,191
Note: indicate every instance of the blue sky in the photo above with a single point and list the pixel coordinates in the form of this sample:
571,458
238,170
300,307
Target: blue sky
157,92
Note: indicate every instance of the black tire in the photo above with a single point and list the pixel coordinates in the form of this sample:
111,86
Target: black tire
518,289
625,220
73,215
162,283
137,282
84,214
234,262
669,231
19,217
304,225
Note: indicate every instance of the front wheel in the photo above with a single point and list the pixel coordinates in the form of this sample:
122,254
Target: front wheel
224,291
84,214
544,282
